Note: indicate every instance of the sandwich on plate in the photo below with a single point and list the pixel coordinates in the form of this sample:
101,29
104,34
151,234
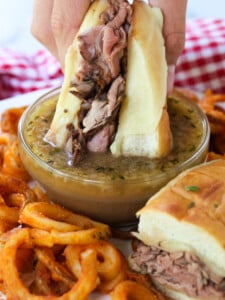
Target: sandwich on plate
181,235
113,97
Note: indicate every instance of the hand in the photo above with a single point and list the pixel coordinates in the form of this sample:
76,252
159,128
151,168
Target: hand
56,22
174,13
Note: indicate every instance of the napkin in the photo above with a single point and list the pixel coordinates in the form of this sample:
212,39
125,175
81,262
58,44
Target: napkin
201,65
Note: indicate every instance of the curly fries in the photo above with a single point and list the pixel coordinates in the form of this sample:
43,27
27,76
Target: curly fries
214,107
47,251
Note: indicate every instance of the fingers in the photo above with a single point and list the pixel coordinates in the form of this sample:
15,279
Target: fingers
174,12
67,16
56,22
170,78
41,25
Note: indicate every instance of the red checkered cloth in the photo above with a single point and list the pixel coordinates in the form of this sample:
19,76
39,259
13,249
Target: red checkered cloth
22,73
201,65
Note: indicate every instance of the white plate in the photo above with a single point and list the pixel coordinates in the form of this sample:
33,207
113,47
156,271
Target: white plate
21,100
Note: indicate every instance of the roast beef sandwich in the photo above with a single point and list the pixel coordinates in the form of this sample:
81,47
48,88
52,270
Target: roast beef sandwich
113,97
181,235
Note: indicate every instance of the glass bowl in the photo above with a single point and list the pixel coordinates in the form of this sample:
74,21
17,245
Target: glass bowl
100,191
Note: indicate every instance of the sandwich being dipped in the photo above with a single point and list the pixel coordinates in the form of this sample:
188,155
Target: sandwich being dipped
181,235
113,97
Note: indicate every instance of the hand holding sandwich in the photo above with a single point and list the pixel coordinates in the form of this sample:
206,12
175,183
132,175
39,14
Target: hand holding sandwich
56,22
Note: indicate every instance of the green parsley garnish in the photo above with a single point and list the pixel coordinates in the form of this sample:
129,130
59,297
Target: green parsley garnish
192,188
191,204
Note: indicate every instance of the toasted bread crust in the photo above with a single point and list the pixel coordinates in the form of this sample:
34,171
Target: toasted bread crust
189,214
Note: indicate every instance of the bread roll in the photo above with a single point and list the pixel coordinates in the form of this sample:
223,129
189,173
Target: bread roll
144,128
68,105
188,215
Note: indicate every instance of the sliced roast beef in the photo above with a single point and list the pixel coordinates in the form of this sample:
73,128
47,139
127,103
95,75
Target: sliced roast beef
114,41
101,60
122,11
115,94
89,43
102,139
182,271
75,146
96,116
103,111
103,47
112,11
99,81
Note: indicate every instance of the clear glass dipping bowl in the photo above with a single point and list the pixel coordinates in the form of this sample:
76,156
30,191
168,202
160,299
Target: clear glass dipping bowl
114,202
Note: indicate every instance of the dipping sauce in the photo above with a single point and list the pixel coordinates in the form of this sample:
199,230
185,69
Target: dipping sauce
187,131
103,187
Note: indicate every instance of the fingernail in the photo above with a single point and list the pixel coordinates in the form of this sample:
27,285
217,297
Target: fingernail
170,78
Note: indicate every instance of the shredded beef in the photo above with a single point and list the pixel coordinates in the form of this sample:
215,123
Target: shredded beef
102,139
102,47
100,80
181,270
75,146
103,111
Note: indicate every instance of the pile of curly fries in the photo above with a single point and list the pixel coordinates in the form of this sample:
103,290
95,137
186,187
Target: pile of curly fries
49,252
